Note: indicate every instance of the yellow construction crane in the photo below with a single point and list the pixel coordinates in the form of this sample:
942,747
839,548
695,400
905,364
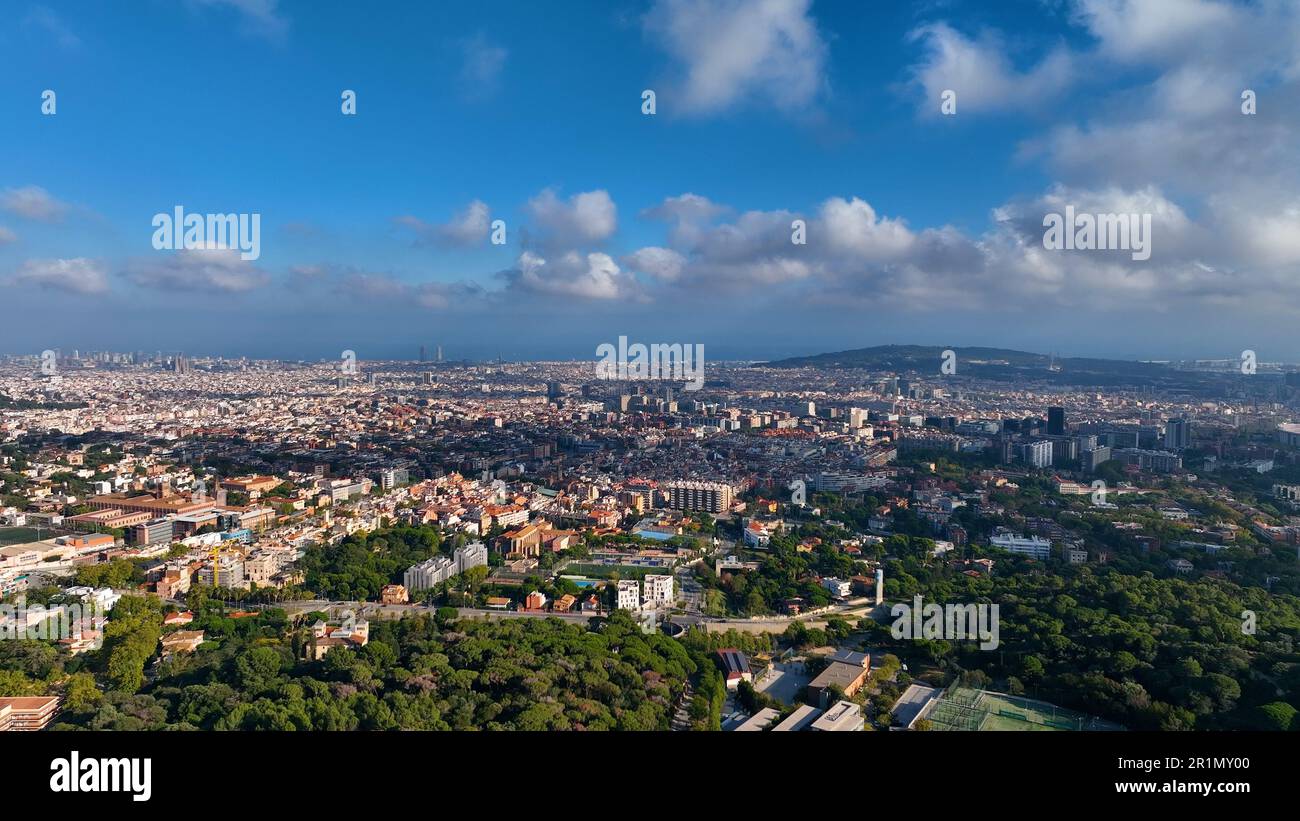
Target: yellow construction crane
216,559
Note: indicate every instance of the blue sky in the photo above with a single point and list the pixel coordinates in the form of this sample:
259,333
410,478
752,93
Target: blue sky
673,227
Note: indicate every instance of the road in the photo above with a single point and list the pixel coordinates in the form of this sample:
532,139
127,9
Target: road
856,608
374,610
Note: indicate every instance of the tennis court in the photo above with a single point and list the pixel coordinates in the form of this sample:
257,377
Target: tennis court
967,709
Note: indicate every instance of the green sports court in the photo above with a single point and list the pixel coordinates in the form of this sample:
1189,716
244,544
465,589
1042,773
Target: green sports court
968,709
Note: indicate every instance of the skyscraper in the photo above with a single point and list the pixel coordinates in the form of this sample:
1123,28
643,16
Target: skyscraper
1056,421
1178,434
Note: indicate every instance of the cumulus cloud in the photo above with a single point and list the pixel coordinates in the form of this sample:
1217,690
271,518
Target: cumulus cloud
34,203
853,226
468,227
981,74
585,218
688,214
663,264
572,274
210,269
731,51
1170,119
78,275
1173,117
857,257
1161,30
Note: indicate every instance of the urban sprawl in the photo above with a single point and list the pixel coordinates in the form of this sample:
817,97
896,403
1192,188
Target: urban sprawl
437,544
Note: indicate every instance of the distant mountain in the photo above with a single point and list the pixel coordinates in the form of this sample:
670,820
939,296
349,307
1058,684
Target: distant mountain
1002,364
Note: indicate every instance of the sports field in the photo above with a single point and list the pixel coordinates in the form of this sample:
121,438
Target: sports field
962,708
19,535
605,571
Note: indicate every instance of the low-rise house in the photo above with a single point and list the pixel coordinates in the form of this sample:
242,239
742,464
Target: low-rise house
182,641
564,604
27,713
838,588
348,634
735,667
535,600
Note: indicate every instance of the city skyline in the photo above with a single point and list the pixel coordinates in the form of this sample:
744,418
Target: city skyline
923,224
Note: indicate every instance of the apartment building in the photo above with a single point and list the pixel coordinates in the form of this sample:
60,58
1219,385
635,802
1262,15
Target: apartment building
629,595
659,590
1033,546
228,572
711,497
27,713
434,571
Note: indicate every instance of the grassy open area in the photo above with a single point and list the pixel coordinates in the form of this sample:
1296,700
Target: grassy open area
19,535
601,571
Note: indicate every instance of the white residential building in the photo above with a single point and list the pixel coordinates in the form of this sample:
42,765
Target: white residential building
658,590
838,588
432,572
1034,546
1038,454
629,595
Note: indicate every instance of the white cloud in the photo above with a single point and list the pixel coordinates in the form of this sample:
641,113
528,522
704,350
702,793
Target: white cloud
468,227
1158,30
1183,127
856,257
482,62
212,269
585,276
663,264
752,249
7,236
78,275
733,51
34,203
689,214
980,73
852,226
584,218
